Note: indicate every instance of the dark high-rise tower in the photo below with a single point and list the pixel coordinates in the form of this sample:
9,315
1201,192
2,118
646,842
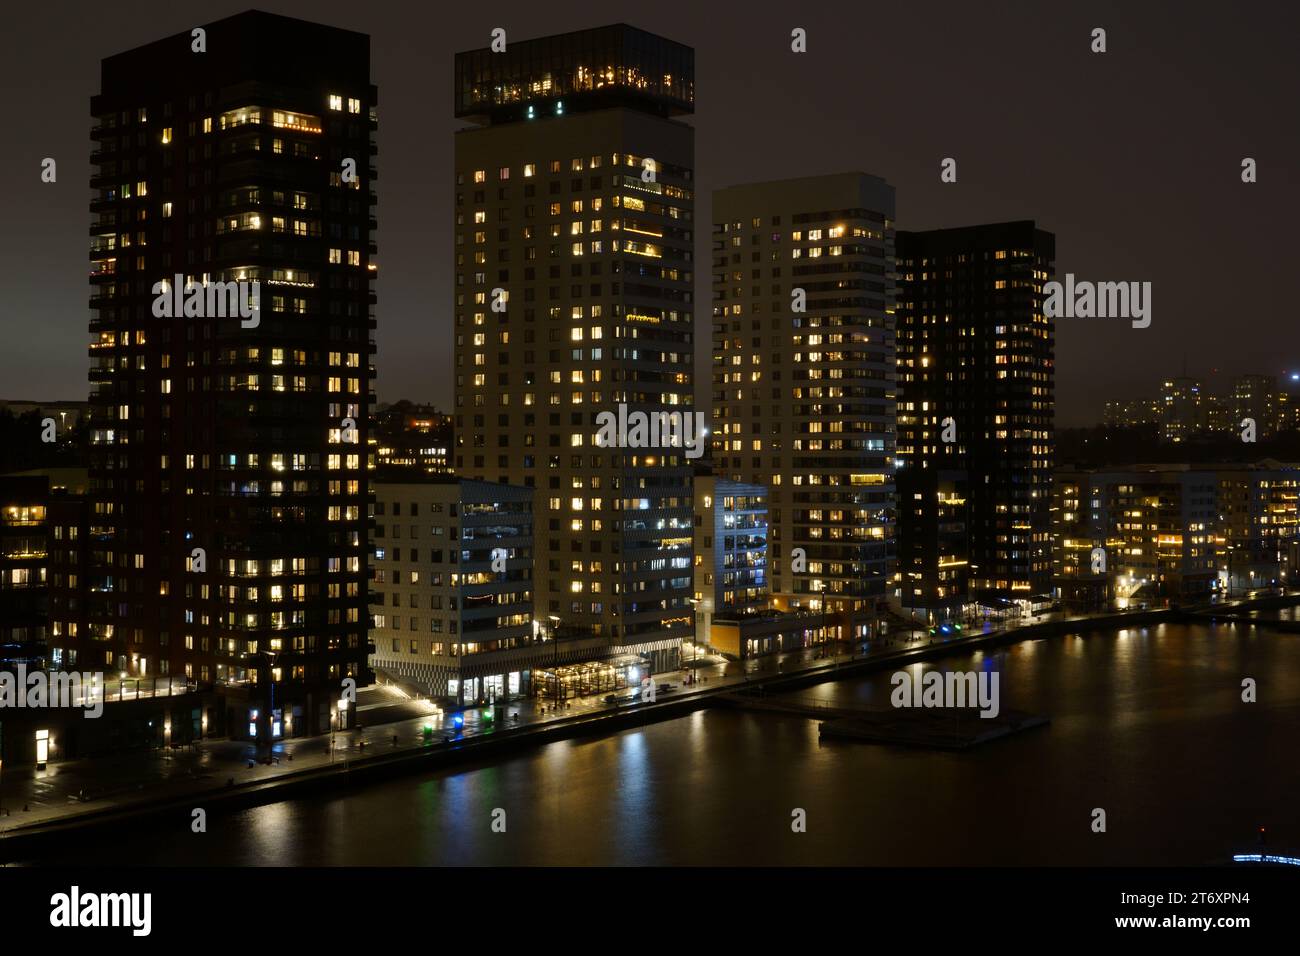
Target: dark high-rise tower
975,396
574,232
228,474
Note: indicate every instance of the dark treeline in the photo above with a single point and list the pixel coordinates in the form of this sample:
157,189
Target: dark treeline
21,447
1101,446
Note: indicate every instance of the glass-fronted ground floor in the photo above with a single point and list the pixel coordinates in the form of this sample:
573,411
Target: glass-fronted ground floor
590,677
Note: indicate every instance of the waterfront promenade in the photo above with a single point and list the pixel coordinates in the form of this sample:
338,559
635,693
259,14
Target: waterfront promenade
216,774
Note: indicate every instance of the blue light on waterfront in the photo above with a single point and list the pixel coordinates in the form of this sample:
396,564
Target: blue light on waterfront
1265,858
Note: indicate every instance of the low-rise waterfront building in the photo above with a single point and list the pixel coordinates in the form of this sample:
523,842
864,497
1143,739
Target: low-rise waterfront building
730,551
1173,532
453,587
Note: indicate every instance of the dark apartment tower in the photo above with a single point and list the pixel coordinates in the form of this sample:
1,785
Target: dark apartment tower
228,468
803,388
574,201
933,548
975,393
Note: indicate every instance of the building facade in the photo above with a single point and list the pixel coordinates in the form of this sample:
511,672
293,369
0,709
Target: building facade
24,571
976,395
1255,397
418,438
453,587
731,575
1127,538
803,382
1258,525
1184,409
574,206
1174,532
228,503
933,545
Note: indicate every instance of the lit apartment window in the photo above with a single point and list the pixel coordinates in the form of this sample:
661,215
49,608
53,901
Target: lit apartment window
336,102
302,122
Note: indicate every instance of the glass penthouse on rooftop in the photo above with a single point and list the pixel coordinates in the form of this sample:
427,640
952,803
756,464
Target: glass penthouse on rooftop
616,65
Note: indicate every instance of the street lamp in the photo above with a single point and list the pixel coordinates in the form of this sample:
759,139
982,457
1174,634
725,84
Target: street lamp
695,645
338,719
555,669
270,657
820,587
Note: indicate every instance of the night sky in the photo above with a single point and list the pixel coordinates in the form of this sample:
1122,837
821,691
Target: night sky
1132,158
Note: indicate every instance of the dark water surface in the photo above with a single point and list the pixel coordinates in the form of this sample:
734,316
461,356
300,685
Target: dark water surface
1147,724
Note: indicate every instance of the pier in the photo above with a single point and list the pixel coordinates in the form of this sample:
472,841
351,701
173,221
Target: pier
932,728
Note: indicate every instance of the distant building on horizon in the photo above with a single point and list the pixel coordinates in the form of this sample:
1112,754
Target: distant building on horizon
1255,397
1184,411
1185,407
412,436
1132,413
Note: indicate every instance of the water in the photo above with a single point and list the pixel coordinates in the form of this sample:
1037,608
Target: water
1147,724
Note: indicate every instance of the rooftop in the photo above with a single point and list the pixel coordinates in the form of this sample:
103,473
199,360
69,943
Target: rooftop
611,66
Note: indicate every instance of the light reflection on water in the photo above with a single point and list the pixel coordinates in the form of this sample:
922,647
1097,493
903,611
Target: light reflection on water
1146,723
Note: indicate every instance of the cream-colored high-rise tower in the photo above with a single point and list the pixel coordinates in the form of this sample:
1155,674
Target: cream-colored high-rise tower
803,380
573,260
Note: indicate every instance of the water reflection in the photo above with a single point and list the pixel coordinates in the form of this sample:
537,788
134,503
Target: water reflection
1148,724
